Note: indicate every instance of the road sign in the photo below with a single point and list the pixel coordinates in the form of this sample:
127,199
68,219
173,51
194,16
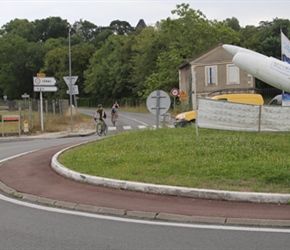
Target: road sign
75,90
174,92
45,88
70,80
183,96
25,95
158,102
41,74
44,81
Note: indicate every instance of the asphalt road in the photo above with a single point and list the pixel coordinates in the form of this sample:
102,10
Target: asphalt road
120,219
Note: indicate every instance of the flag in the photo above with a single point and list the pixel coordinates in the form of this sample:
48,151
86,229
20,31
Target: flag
285,48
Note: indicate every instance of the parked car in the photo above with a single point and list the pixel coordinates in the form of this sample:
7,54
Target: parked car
185,118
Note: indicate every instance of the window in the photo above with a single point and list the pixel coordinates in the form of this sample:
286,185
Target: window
211,75
233,74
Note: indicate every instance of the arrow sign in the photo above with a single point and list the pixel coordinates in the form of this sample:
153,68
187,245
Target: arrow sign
45,88
44,81
70,80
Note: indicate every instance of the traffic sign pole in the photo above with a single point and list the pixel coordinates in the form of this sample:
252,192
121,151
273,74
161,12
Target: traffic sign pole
41,113
70,81
158,102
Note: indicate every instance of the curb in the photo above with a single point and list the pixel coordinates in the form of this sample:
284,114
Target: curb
157,189
275,198
145,215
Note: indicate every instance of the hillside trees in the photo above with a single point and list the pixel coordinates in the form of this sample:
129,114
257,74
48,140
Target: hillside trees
57,65
182,39
117,61
19,62
109,70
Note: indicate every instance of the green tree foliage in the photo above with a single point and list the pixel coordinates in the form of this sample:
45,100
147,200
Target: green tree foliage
120,27
182,39
52,27
57,65
18,64
146,46
117,61
19,27
109,70
233,23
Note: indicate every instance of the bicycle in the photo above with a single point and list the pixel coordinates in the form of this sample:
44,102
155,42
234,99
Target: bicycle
101,127
114,118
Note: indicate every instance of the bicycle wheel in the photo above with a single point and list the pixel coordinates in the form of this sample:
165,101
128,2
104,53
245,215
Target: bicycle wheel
99,129
114,120
105,129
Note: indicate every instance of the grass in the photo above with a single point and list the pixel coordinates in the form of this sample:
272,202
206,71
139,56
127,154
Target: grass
225,160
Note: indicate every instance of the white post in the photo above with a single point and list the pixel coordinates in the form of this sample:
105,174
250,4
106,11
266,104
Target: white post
193,79
41,112
70,82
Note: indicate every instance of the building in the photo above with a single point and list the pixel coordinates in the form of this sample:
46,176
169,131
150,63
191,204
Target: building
214,73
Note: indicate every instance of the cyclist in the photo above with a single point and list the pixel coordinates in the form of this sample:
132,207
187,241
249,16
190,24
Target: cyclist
114,111
100,111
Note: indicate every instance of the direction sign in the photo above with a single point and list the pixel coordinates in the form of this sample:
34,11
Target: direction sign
44,81
25,95
45,88
70,80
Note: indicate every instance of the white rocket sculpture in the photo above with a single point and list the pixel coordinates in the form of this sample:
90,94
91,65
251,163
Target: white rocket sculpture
268,69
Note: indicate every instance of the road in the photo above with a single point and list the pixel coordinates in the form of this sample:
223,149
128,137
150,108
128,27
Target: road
30,226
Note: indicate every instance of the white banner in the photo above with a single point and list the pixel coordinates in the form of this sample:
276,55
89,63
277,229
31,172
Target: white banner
242,117
285,48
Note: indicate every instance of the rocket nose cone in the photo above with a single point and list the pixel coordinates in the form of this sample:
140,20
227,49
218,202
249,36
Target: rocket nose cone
232,49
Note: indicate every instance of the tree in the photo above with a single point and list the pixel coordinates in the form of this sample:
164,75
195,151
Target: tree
180,40
52,27
20,27
109,70
121,27
145,49
19,62
57,65
233,23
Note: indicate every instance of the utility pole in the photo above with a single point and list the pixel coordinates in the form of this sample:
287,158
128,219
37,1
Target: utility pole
70,81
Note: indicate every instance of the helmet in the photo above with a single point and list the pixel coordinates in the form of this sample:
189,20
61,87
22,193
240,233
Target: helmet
100,105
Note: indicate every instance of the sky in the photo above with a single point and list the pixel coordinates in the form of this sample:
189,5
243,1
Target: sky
102,13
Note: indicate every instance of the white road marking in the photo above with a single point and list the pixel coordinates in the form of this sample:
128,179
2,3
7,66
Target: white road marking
157,223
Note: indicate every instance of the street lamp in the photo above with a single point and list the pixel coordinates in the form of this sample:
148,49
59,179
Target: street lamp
70,81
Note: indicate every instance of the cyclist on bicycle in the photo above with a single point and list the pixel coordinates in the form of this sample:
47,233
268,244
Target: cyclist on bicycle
114,111
100,111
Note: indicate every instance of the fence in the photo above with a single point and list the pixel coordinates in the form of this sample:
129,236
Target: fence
242,117
26,109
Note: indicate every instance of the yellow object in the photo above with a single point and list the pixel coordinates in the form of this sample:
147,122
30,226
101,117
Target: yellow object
241,98
25,126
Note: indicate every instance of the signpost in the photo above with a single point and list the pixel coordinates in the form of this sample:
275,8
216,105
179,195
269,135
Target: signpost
25,96
45,88
158,103
43,84
174,92
75,90
183,96
44,81
72,89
